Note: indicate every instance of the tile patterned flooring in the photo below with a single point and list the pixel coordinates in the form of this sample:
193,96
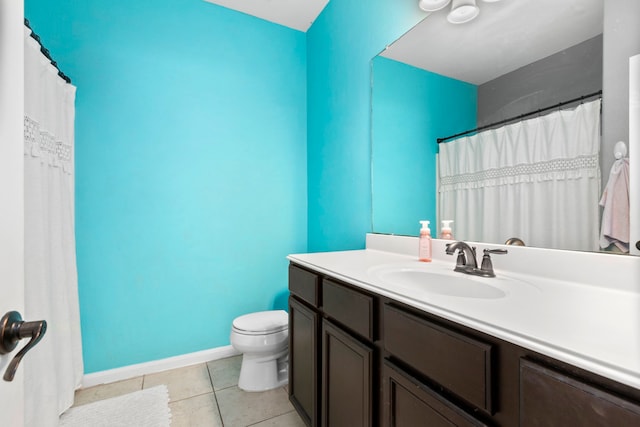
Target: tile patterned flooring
207,395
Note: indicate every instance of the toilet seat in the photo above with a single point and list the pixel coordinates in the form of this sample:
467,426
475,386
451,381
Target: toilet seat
261,322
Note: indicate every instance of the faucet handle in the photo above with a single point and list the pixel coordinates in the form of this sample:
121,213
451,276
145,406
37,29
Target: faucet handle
495,251
487,266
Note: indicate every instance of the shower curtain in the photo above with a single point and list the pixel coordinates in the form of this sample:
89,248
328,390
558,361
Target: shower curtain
53,369
538,179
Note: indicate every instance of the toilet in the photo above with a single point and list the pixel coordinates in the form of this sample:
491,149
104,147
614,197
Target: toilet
263,340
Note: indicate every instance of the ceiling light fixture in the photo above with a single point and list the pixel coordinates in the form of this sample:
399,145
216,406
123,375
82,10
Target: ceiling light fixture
432,5
463,11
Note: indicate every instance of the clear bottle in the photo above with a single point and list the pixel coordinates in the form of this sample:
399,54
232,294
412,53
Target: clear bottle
424,248
445,233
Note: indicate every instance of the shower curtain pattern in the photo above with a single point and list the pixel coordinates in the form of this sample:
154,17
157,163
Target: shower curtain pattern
54,368
541,171
538,179
42,144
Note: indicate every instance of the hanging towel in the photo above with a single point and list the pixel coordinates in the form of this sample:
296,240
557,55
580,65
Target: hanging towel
615,200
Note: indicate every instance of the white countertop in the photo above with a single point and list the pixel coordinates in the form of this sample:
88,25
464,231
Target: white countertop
595,325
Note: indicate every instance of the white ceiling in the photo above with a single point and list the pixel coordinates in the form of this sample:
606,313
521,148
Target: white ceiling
504,37
296,14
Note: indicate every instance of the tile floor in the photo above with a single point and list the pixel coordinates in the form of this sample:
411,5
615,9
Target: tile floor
207,395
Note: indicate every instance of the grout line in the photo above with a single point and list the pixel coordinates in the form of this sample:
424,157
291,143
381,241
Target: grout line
271,418
195,395
227,387
215,396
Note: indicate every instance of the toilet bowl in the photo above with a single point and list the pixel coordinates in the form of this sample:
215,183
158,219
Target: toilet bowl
263,340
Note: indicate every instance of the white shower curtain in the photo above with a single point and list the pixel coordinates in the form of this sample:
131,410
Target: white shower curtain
538,179
54,368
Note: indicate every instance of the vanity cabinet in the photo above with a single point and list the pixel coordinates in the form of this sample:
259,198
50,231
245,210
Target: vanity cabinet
358,358
331,351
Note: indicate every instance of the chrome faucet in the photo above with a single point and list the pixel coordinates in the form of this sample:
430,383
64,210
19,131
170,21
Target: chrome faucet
467,263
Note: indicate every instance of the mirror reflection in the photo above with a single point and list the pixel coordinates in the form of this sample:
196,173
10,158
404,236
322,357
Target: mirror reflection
441,79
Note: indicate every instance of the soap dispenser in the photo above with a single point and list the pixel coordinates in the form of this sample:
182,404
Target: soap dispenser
424,249
445,233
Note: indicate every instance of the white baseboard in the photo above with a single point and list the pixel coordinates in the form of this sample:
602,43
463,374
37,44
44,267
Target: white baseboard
132,371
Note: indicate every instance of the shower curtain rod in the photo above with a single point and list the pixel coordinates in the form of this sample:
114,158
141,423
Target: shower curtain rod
521,116
46,53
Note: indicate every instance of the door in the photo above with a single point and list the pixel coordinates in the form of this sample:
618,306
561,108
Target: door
11,193
347,379
303,360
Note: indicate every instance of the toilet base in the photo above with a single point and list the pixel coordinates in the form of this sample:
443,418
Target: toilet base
262,373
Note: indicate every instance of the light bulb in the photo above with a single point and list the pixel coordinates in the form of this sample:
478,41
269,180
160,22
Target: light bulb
463,11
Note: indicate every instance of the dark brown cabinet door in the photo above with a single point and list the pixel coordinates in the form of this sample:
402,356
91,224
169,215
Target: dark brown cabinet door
550,398
304,360
347,370
408,403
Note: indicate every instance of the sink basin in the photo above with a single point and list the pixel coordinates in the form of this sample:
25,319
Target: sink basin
438,281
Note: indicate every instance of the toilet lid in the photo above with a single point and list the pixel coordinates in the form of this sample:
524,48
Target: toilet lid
262,322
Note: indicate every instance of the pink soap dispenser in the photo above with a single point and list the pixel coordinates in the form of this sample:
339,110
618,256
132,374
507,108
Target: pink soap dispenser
424,248
445,233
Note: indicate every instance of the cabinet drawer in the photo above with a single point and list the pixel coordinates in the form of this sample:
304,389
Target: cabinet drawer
304,284
550,398
351,308
410,403
460,364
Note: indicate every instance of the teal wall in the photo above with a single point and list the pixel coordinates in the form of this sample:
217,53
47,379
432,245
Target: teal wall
190,169
209,145
340,46
411,108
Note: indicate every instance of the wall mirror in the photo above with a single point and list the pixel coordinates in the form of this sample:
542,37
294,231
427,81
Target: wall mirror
440,79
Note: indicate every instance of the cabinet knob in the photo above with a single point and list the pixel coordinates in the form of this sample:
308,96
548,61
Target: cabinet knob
12,330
